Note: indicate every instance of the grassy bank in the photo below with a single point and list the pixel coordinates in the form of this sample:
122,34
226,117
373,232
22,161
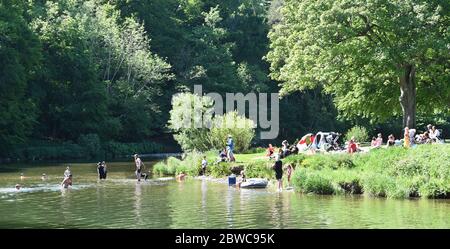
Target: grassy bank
423,171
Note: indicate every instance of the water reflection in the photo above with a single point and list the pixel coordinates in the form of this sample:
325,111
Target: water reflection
229,206
123,203
138,203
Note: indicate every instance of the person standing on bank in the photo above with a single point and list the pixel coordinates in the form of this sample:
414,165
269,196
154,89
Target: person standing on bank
278,168
204,164
139,166
230,148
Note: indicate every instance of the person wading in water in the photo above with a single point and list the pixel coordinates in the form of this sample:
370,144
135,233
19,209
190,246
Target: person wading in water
139,167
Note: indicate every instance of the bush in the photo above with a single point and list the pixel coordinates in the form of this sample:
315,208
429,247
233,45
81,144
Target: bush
346,181
191,165
220,170
377,184
360,133
259,169
322,161
309,181
241,128
209,133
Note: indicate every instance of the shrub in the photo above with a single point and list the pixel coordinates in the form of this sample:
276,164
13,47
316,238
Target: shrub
259,169
309,181
375,184
192,133
360,133
347,181
219,170
435,188
321,161
241,128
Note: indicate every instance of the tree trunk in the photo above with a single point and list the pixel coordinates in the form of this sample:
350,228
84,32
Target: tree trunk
408,95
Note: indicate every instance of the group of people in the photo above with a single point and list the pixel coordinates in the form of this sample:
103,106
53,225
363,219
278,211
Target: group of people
278,168
227,154
327,141
410,138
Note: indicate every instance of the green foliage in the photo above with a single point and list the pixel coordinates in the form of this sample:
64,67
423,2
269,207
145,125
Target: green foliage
20,57
360,51
260,169
220,170
190,164
88,147
360,133
393,173
241,128
327,162
309,181
191,117
91,144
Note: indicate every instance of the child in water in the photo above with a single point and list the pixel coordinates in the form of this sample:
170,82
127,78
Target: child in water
67,182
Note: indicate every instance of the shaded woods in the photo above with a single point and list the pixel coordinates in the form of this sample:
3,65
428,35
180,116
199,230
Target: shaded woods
84,79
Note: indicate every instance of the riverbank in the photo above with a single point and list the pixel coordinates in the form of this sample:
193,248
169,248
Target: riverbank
423,171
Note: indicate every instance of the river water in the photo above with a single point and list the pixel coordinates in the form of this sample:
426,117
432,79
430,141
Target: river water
121,202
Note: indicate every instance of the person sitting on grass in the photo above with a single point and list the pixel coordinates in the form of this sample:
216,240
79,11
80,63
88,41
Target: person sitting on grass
373,143
434,134
222,157
352,146
390,141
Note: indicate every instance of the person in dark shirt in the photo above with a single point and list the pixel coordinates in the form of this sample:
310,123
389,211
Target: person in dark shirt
101,171
278,167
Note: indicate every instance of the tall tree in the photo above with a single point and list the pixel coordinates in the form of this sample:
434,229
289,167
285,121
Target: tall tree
19,61
366,53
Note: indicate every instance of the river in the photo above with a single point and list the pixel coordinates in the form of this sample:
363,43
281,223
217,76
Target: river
121,202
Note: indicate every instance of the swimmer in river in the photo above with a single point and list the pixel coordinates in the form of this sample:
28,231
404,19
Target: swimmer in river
18,186
67,173
44,177
181,176
67,182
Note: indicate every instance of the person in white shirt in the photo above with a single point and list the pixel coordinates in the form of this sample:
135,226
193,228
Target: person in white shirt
204,164
434,134
67,173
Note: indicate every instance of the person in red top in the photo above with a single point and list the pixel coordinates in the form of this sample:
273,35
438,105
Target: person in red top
270,150
352,147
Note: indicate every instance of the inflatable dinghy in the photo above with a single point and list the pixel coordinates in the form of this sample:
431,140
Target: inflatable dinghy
255,183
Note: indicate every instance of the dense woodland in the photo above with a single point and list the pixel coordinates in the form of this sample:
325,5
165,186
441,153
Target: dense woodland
98,76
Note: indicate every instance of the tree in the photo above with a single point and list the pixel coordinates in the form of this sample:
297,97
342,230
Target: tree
364,52
197,129
100,75
20,58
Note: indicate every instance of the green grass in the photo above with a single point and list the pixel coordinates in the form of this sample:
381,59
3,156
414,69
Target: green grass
423,171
